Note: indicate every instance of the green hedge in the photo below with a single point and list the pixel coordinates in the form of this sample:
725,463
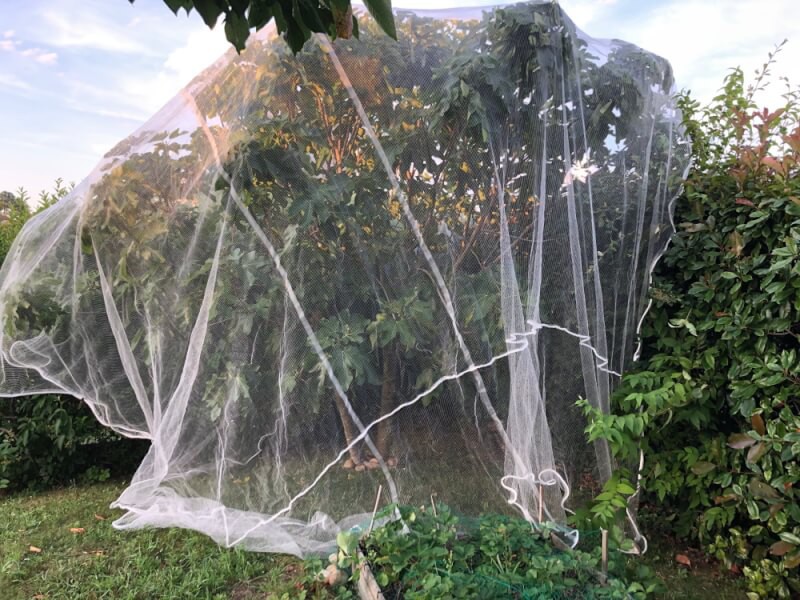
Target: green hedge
716,405
48,440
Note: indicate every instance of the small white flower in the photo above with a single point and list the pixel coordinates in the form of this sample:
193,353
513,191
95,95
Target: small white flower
580,171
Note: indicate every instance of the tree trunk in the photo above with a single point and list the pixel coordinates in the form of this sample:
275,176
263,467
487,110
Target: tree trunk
388,392
349,429
343,20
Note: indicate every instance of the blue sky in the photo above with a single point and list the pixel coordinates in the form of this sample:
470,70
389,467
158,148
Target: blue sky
77,76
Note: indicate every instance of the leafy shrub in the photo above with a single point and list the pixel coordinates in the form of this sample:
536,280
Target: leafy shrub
45,440
435,554
716,406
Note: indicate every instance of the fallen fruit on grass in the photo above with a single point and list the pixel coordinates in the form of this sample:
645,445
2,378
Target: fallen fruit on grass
331,575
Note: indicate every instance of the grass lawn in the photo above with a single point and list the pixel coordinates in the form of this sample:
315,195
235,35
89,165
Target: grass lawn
703,581
80,556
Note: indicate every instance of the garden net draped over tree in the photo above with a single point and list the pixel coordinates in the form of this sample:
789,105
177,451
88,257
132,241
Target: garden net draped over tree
377,262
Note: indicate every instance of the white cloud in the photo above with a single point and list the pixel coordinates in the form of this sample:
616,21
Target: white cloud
702,40
100,148
41,56
89,30
12,81
151,91
584,12
723,36
8,44
47,58
137,95
103,100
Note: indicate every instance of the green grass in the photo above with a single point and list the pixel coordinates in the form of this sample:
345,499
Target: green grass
101,562
705,579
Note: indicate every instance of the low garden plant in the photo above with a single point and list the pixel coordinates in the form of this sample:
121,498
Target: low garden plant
429,552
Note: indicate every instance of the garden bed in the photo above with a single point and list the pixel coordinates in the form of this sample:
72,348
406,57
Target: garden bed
432,553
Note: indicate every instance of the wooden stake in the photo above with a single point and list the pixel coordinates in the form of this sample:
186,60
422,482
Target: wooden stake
541,503
375,508
433,506
604,552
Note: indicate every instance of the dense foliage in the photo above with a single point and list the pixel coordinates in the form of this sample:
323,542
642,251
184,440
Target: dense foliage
49,439
716,403
312,180
431,553
295,20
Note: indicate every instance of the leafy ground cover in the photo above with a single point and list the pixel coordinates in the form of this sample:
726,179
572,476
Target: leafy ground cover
60,544
431,553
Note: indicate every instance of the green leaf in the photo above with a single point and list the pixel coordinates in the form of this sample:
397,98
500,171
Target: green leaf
792,560
678,323
625,488
702,467
259,15
176,5
237,30
790,538
295,33
209,10
381,11
771,380
760,489
347,541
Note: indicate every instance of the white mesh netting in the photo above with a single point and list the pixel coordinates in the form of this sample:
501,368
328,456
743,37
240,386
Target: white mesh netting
373,263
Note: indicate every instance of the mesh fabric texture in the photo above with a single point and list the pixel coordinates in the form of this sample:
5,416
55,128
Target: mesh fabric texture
377,262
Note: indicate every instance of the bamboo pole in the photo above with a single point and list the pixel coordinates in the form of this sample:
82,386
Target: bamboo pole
375,508
604,553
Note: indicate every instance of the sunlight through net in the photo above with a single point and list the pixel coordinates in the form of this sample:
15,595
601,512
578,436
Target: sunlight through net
377,262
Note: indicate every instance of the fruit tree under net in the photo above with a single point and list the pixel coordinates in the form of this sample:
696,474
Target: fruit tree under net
373,263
